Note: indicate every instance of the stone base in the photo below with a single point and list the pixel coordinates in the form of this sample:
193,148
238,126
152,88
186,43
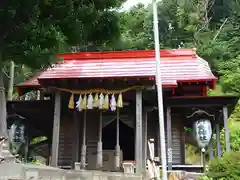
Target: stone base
38,172
96,175
29,171
183,175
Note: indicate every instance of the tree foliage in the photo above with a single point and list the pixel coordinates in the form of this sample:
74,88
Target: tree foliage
227,167
212,26
33,31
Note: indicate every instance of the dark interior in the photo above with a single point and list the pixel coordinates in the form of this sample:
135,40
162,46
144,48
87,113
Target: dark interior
126,139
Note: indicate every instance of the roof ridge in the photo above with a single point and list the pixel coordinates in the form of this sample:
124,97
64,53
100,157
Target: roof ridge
127,54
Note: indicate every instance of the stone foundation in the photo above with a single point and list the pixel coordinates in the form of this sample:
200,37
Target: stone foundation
183,175
37,172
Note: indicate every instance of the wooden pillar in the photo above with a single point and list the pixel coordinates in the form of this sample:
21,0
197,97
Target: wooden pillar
182,143
210,147
26,150
117,148
219,151
99,146
48,160
56,129
226,129
139,139
84,146
76,138
169,138
41,95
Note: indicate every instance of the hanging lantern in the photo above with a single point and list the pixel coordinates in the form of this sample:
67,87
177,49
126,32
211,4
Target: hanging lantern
17,135
202,132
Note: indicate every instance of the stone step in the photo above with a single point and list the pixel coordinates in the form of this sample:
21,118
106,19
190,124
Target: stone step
4,146
193,176
5,154
180,175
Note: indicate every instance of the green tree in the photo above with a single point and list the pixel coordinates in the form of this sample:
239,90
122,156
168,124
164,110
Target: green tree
38,29
212,26
32,32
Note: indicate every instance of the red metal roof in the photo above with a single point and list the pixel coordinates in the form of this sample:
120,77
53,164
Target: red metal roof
176,66
30,83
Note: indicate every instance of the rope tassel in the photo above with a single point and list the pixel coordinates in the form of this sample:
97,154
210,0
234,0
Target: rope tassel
84,102
120,101
90,102
101,101
113,103
71,102
106,102
79,103
96,101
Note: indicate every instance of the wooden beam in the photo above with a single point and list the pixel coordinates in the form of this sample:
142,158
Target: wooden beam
226,128
169,138
199,101
139,139
56,129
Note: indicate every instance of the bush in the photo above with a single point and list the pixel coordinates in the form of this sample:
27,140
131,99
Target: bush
227,167
204,178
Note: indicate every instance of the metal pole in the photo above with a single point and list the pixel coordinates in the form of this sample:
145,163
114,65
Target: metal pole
203,160
159,90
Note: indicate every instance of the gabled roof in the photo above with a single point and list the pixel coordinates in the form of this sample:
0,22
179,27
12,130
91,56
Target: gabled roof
31,82
182,65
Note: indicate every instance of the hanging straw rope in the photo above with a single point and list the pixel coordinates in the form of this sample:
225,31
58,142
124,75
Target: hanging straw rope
101,99
99,91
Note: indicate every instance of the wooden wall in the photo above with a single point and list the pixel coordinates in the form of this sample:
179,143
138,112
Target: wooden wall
66,150
65,142
153,132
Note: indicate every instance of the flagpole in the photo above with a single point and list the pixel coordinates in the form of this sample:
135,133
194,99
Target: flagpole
159,92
